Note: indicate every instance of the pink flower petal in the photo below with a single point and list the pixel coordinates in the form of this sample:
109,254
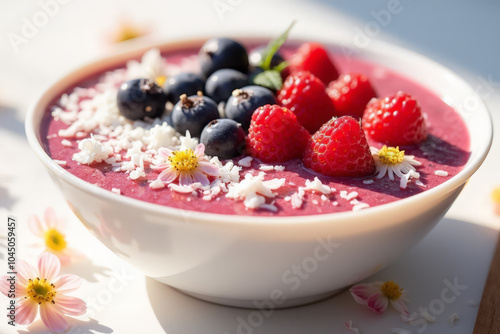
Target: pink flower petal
185,179
361,292
200,177
67,283
378,302
164,152
168,175
160,167
208,168
48,266
52,318
26,311
25,271
400,306
5,288
50,217
70,305
36,226
199,151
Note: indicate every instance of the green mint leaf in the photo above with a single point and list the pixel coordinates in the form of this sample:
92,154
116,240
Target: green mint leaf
270,79
274,47
280,67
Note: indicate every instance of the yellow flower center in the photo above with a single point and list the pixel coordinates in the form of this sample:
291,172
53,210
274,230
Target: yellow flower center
41,291
495,195
55,240
391,290
184,161
161,80
391,155
128,32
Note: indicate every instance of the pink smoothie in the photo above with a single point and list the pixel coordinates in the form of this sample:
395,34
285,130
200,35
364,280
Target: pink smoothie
446,149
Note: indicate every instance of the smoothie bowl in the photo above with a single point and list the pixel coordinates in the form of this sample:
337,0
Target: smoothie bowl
245,220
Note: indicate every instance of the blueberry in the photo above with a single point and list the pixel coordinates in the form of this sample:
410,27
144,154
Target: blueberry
223,138
221,83
256,57
183,83
243,102
219,53
140,98
193,113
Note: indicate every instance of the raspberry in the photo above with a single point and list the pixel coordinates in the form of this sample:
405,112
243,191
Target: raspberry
305,95
275,135
313,57
396,120
339,148
350,94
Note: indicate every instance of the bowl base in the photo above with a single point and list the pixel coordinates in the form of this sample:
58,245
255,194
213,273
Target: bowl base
261,304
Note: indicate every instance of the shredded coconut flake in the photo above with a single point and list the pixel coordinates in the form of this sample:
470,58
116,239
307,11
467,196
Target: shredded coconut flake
253,190
348,196
60,162
279,168
91,151
453,319
369,181
157,184
297,198
317,185
181,189
360,206
245,162
66,143
441,172
116,191
266,167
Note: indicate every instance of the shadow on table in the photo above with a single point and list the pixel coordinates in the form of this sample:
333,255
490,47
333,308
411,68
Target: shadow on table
452,246
87,270
6,199
76,326
9,121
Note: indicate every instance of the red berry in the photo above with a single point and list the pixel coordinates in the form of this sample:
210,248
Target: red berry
395,120
313,57
350,94
340,148
305,95
275,135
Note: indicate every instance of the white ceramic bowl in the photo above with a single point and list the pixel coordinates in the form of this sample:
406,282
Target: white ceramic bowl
267,262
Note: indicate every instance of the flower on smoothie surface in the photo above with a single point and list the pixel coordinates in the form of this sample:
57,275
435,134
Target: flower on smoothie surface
188,165
42,290
151,66
51,229
378,295
392,161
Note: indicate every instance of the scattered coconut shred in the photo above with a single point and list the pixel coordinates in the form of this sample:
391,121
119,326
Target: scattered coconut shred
131,147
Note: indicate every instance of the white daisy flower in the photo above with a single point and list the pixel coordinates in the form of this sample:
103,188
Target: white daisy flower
189,166
152,66
392,161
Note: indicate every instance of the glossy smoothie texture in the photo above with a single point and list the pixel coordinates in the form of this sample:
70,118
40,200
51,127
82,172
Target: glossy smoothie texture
446,149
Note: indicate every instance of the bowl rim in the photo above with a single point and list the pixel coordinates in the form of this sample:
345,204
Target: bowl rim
134,49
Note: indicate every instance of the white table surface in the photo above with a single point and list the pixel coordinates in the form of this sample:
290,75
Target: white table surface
461,34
